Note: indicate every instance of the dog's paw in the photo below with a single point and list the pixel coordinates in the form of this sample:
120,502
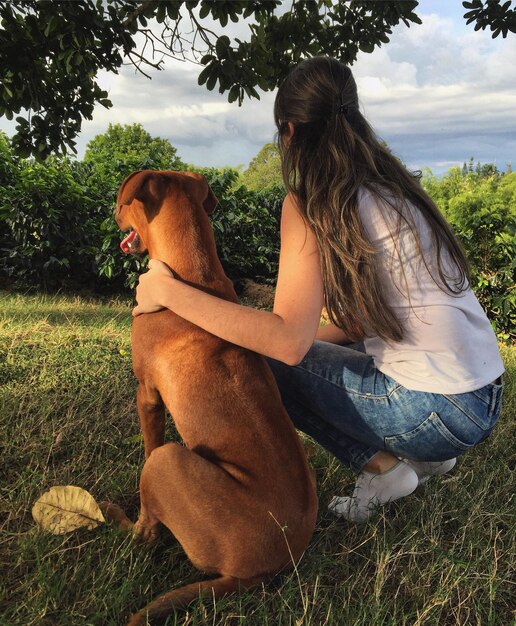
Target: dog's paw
144,533
116,514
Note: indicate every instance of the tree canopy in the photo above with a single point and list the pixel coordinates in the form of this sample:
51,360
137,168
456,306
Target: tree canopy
264,171
52,50
114,154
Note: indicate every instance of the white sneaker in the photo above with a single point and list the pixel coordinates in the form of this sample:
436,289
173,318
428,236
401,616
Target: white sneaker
373,490
427,469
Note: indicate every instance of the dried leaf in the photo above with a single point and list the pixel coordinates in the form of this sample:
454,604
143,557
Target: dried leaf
63,509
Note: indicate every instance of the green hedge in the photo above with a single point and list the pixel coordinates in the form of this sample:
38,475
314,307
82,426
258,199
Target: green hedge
57,228
481,206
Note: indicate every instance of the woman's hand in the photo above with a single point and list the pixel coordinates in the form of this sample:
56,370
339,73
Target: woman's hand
152,288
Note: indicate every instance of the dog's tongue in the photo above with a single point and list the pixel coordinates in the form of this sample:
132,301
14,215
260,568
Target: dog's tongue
126,243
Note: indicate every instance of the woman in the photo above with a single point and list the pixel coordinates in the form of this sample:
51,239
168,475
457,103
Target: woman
360,235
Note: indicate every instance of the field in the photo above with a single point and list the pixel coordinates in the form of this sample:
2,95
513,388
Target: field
444,556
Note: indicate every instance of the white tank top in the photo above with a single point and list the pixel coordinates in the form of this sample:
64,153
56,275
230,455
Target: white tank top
448,345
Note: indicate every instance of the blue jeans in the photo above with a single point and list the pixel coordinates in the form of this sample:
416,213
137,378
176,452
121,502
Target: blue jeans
337,396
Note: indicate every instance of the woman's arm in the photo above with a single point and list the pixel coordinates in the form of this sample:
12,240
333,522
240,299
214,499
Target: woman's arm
332,334
287,333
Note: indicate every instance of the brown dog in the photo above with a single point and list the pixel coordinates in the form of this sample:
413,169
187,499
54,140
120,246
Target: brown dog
238,495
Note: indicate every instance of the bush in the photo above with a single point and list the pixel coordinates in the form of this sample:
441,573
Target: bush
481,207
489,238
246,225
47,226
57,227
56,218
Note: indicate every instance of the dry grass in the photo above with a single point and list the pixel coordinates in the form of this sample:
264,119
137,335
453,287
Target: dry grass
442,557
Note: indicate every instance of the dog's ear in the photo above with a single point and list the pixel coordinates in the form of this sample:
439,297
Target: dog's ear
211,200
147,186
205,195
131,188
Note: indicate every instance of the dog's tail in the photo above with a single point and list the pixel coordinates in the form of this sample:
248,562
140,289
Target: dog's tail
163,606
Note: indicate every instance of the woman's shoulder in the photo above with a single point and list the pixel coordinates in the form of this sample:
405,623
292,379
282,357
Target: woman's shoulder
291,201
292,209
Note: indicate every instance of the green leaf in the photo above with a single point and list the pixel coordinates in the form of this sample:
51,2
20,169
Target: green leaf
204,75
211,82
49,25
204,11
161,13
221,46
172,10
234,93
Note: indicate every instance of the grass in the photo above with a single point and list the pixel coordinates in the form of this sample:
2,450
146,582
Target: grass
443,556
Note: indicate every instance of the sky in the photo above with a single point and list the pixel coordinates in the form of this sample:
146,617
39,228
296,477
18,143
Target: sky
438,93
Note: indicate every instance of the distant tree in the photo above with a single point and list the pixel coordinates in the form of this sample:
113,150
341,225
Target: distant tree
482,170
506,192
476,183
487,170
51,52
264,171
509,168
432,185
450,185
119,151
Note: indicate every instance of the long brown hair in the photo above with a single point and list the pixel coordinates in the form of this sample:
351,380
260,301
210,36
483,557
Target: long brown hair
332,155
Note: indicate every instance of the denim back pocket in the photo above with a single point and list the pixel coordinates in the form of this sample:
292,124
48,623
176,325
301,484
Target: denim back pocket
430,441
481,406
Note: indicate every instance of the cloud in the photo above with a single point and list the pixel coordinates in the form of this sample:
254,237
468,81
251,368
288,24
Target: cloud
206,129
427,149
440,93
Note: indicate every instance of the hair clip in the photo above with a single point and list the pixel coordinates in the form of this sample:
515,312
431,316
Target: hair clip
341,107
